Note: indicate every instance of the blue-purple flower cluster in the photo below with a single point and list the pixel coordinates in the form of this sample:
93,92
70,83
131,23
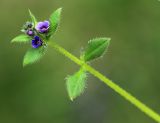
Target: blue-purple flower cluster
41,28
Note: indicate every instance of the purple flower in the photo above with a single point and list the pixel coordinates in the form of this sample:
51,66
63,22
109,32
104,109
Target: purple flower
30,32
43,27
36,42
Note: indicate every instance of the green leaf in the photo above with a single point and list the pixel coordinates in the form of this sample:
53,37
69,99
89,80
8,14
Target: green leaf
54,21
96,48
33,18
22,39
76,84
33,55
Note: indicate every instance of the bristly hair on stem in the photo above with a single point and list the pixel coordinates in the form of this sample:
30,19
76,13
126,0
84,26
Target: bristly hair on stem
39,33
141,106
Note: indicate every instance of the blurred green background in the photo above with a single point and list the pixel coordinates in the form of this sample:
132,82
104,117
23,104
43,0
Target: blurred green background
37,93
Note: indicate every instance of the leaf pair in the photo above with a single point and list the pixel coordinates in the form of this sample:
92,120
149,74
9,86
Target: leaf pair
76,83
34,54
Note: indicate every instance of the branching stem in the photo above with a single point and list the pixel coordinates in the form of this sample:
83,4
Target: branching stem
141,106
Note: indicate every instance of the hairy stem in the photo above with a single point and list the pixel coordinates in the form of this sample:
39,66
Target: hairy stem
141,106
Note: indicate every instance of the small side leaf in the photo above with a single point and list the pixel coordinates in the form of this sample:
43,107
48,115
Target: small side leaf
54,21
33,18
33,55
22,39
76,84
96,48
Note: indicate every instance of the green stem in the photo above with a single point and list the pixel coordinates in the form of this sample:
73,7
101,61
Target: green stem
148,111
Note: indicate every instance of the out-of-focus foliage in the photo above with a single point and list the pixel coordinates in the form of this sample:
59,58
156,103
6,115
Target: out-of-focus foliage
37,94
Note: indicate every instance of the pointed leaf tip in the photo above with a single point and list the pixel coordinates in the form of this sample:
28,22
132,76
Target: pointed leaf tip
33,18
71,98
76,84
21,39
54,22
